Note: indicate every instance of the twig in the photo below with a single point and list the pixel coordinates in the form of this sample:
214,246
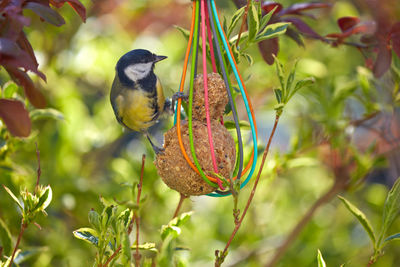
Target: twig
246,10
21,232
136,216
181,199
220,258
39,170
339,185
112,256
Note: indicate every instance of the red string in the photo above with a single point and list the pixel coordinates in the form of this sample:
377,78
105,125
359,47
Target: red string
205,82
214,66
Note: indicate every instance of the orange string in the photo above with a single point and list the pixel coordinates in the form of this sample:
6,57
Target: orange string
178,124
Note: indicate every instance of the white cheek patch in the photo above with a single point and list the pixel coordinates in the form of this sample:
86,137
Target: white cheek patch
138,71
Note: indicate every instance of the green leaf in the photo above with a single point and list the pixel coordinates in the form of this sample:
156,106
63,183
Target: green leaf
391,208
249,58
393,237
185,32
300,84
278,95
125,217
170,230
87,234
360,217
290,80
321,262
126,250
46,13
47,113
13,197
265,19
5,238
235,19
9,89
45,198
253,21
147,246
173,226
279,72
244,125
94,219
272,31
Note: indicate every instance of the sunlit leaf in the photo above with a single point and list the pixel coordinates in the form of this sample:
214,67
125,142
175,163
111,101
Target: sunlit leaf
249,58
360,216
272,30
5,238
87,234
265,19
47,113
235,19
301,84
253,21
13,197
49,15
94,219
15,117
321,262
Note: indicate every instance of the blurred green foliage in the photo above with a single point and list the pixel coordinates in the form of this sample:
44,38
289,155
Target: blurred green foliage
85,154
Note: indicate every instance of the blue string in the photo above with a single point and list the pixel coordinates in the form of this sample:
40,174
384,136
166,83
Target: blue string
246,103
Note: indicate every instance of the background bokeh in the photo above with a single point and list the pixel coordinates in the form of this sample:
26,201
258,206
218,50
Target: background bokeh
88,154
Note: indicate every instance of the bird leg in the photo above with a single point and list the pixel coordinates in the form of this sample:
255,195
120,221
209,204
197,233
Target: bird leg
157,150
176,96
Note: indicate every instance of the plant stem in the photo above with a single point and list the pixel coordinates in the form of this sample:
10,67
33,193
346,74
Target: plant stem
112,256
39,170
336,188
219,259
21,232
246,10
137,255
181,199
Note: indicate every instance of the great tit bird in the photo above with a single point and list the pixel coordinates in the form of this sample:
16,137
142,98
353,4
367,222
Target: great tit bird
136,94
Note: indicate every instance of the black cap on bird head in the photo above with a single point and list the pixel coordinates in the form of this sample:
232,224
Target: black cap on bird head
136,57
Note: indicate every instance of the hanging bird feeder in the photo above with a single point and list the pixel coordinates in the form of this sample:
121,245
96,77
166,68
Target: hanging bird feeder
200,154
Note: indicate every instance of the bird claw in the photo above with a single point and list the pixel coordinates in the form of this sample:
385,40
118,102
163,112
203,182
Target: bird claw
158,150
176,96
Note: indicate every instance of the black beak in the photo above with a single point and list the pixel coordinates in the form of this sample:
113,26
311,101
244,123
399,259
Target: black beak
159,58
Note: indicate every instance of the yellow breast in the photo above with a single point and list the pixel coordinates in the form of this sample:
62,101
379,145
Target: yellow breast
134,107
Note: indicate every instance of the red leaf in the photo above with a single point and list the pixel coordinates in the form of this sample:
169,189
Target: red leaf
395,36
346,23
296,8
268,48
15,117
365,27
46,13
268,6
26,46
32,93
9,47
303,27
383,60
75,4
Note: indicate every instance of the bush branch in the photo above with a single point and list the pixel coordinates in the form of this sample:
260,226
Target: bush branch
220,258
21,232
178,207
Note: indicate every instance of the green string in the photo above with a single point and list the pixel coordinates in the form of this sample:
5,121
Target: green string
192,72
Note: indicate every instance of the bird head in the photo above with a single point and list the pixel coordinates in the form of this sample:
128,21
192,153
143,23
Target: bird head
136,65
